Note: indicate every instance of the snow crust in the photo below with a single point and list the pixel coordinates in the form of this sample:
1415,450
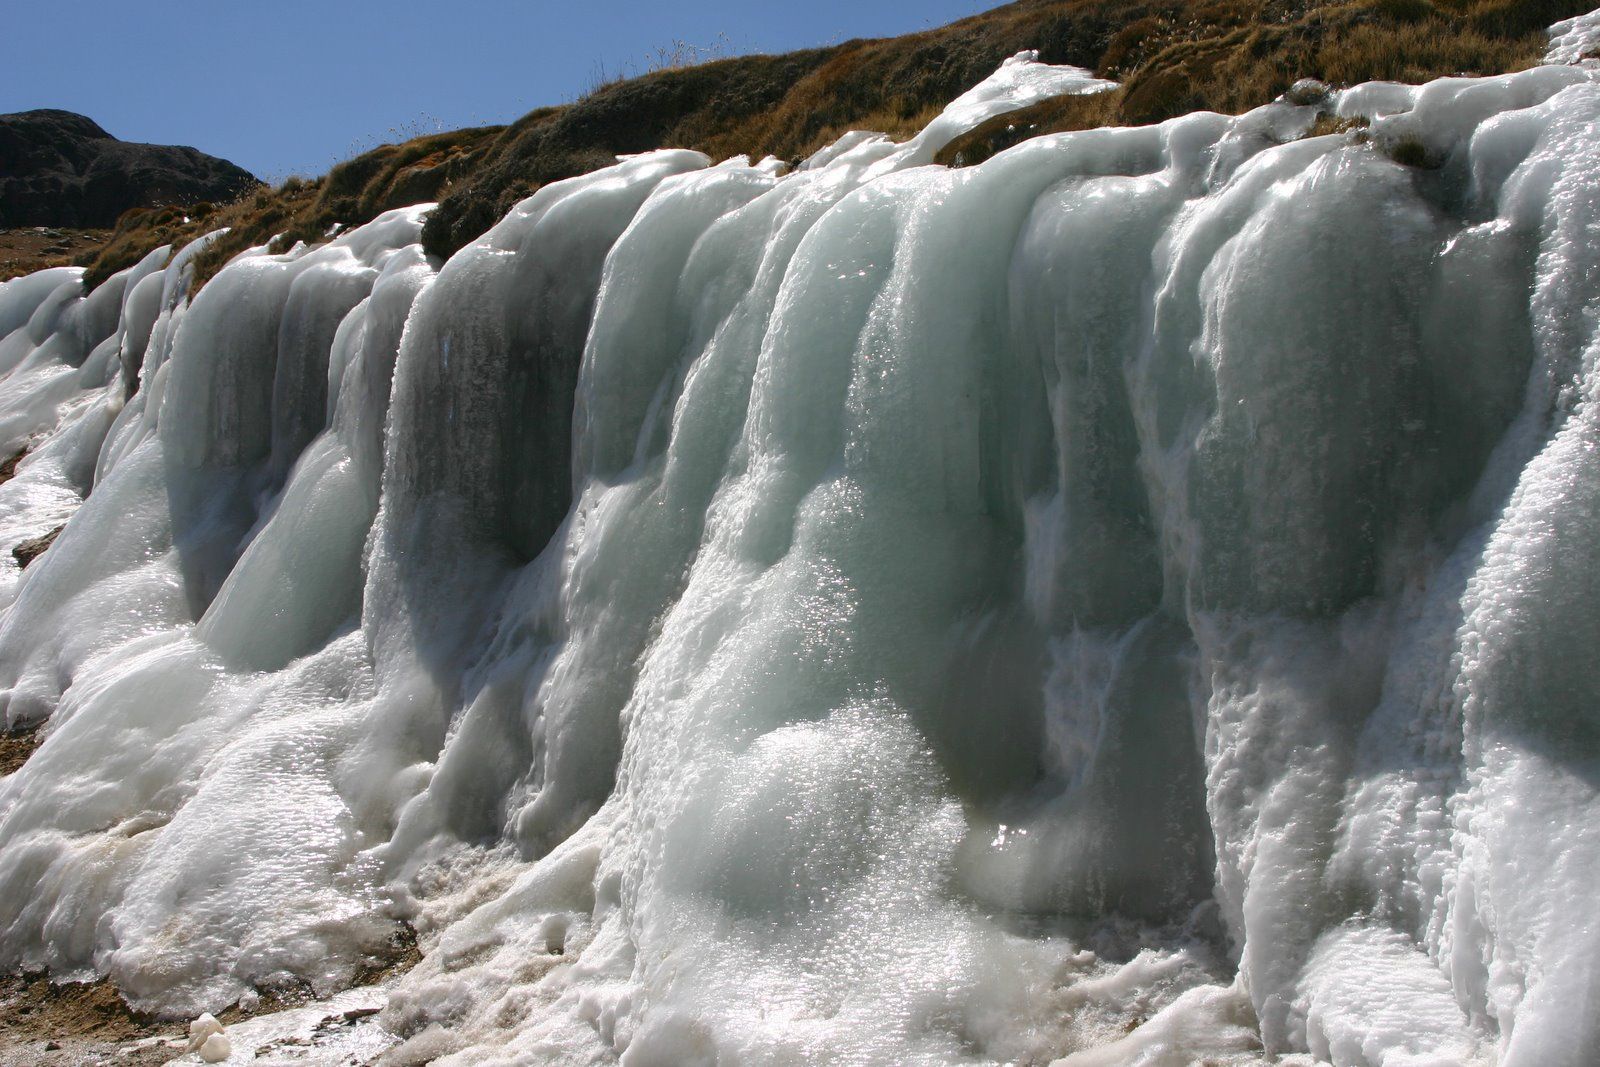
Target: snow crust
1574,39
1131,601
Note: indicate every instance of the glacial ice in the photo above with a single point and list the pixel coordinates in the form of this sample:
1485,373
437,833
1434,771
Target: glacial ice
1131,601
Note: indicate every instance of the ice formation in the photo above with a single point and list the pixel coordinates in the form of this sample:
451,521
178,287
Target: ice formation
1130,602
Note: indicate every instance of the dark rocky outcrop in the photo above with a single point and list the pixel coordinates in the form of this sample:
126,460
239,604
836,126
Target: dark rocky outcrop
34,547
61,169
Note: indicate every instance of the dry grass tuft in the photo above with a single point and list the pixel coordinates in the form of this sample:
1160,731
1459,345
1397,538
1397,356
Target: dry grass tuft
1327,125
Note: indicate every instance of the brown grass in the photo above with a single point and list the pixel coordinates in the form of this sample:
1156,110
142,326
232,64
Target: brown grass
1049,116
1333,124
1172,57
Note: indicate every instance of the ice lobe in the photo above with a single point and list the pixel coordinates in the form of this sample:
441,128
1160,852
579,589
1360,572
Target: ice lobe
1125,602
1575,39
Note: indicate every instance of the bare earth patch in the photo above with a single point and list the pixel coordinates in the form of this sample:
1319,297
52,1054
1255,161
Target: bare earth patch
32,248
77,1023
15,748
48,1024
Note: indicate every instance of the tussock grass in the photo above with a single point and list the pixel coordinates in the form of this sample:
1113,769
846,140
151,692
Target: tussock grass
1334,124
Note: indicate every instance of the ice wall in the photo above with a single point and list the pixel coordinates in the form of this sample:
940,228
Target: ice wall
1132,601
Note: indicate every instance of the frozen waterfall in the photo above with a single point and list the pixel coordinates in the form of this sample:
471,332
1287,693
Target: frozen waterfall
1133,601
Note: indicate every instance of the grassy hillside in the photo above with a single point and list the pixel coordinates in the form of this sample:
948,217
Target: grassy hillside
1171,56
31,248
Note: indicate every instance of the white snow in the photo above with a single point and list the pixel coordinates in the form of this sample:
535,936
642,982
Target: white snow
1128,602
1574,39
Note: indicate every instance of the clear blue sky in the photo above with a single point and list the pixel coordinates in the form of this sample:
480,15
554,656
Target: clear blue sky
290,86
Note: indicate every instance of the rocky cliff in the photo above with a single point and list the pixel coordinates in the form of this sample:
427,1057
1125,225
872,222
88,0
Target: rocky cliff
61,169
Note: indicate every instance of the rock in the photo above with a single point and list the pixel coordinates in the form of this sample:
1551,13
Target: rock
216,1048
8,468
61,169
202,1029
208,1040
33,548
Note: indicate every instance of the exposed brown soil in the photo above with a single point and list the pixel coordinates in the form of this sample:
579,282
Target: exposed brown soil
48,1023
37,247
15,748
42,1022
402,954
405,954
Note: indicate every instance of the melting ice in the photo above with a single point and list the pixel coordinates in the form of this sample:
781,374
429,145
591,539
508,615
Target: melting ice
1129,602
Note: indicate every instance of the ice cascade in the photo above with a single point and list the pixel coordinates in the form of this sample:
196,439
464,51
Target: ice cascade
1132,601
